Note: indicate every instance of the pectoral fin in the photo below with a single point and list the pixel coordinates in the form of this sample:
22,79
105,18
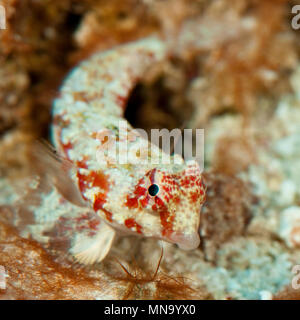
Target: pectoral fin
88,250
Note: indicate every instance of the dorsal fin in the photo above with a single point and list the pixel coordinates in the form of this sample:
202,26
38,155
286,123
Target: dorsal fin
48,163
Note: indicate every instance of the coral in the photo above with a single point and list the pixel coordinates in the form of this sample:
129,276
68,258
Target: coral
288,294
32,273
233,154
106,24
226,213
237,74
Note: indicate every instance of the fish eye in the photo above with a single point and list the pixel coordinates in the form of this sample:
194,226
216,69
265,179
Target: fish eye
153,190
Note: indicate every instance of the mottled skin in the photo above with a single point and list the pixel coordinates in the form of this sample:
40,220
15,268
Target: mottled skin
88,110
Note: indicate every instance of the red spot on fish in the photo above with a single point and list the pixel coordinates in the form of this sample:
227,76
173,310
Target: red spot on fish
150,54
108,214
159,202
82,218
99,180
166,189
177,200
194,196
121,101
139,192
82,183
95,179
166,220
144,202
93,224
92,179
82,163
99,202
154,207
185,182
131,223
131,202
66,147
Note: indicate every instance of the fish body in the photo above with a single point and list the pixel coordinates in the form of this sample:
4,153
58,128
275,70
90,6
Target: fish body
138,196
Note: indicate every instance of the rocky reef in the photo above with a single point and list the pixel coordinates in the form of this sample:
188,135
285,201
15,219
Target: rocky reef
241,83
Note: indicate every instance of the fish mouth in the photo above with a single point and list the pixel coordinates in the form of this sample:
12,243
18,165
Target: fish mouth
186,241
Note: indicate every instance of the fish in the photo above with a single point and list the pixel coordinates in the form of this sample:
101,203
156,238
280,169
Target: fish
97,196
